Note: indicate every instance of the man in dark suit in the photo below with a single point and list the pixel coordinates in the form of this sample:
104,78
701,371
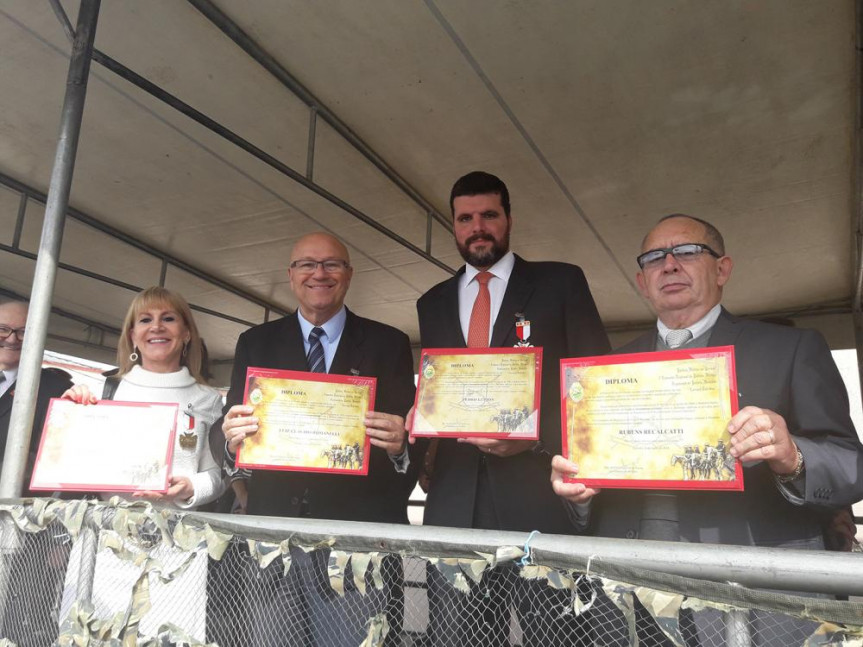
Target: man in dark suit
29,597
324,336
13,318
503,484
801,456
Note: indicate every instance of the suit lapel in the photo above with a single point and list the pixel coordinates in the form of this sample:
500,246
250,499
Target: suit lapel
519,288
6,400
449,313
349,354
725,330
287,345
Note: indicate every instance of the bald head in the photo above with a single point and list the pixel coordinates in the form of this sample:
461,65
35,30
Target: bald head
317,240
13,314
320,275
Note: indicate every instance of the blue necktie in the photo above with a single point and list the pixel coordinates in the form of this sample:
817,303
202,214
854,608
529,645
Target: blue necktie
316,351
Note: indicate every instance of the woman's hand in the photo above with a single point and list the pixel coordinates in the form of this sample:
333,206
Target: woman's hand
179,488
80,394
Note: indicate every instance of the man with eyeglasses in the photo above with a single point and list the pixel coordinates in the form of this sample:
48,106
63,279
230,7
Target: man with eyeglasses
13,319
801,454
324,336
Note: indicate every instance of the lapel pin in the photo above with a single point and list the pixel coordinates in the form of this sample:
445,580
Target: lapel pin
522,331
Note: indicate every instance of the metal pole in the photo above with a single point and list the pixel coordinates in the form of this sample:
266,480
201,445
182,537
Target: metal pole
310,154
783,569
737,628
21,422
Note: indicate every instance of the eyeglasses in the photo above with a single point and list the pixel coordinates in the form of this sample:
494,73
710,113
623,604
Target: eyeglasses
5,331
685,253
330,266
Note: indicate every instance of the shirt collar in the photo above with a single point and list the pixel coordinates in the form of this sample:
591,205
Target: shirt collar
502,269
11,375
698,328
333,326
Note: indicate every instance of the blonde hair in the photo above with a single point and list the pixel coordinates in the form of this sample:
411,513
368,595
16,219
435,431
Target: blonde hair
161,297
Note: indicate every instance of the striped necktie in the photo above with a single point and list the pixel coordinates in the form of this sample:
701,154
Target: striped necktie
316,351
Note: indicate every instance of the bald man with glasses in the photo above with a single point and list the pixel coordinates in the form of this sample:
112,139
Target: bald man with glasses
802,460
324,336
13,319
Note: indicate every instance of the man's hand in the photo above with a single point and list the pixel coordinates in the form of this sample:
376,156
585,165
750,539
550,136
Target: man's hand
79,394
241,494
499,448
762,435
239,422
572,492
386,431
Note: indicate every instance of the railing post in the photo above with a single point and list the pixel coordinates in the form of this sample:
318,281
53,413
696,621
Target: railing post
21,421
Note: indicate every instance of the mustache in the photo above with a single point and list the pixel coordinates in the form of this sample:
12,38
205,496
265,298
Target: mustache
476,237
11,346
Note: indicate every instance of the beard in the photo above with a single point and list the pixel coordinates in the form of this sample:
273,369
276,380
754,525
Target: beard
485,258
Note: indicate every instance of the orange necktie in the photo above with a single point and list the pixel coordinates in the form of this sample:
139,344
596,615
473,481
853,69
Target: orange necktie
480,316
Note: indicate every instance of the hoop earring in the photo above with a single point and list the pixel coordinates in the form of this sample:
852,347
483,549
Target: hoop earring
185,348
133,357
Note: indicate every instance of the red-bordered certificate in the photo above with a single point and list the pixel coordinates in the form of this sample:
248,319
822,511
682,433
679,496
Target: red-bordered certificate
312,422
651,420
106,447
479,392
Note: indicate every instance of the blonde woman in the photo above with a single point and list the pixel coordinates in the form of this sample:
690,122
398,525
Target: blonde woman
160,360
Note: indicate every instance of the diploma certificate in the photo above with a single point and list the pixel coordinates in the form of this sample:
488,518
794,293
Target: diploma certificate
312,422
479,392
651,420
106,447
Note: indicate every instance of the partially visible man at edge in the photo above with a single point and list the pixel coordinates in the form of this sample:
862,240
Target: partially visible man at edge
13,320
801,455
324,336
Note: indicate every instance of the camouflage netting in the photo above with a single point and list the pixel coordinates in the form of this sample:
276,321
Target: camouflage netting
78,573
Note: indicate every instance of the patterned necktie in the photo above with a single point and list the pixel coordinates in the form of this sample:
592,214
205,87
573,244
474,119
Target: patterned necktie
316,351
480,316
676,338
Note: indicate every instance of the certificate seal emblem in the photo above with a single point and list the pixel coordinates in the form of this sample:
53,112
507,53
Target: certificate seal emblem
428,372
256,397
576,392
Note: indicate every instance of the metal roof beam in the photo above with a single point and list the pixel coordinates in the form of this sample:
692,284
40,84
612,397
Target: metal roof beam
269,63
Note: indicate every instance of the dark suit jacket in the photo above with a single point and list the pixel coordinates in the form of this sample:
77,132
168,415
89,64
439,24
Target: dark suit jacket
371,348
791,372
51,385
564,321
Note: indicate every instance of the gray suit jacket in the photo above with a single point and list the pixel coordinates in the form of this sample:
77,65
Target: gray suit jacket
791,372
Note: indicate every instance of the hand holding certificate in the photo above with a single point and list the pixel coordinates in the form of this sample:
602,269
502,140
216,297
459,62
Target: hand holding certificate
651,420
488,393
307,421
109,447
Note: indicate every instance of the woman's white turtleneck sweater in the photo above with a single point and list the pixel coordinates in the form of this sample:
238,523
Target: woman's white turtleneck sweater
200,401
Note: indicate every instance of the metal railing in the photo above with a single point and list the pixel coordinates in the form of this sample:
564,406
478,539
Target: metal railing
74,571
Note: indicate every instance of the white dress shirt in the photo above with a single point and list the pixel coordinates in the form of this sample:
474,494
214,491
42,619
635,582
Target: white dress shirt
698,328
468,289
334,327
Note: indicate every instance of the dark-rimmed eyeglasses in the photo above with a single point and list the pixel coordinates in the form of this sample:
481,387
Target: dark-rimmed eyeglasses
682,253
5,331
331,266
